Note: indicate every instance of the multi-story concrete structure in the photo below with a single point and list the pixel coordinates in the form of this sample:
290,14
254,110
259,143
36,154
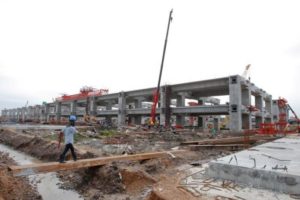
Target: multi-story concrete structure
128,106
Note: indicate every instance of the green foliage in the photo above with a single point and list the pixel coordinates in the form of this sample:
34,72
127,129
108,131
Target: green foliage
79,137
52,137
108,133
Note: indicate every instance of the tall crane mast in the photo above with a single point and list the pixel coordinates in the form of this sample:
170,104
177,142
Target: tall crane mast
156,92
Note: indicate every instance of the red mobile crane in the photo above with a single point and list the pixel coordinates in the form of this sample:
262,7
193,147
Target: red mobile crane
156,92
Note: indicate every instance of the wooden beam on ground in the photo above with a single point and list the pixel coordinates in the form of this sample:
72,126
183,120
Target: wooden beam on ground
30,169
230,140
216,146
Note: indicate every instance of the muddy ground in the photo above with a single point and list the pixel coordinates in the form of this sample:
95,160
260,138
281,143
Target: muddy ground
12,187
119,180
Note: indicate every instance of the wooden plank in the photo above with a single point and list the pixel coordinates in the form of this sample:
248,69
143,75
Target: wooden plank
30,169
231,140
216,146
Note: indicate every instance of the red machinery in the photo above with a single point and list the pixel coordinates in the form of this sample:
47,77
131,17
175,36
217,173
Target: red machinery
192,118
252,108
84,93
281,126
282,122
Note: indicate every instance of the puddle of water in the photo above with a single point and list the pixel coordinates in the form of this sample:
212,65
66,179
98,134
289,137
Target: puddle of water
29,126
47,184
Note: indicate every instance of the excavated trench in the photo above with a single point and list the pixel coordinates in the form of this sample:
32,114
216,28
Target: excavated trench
106,182
47,184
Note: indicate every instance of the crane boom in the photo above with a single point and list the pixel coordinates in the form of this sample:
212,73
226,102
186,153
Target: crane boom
297,119
296,116
156,92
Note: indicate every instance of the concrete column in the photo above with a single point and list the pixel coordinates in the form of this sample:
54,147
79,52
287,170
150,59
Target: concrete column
18,114
47,112
122,109
4,113
73,107
217,123
33,113
275,111
41,112
201,122
137,119
269,110
13,113
108,106
29,113
180,103
259,118
201,119
10,114
93,107
246,101
36,113
235,99
23,115
58,111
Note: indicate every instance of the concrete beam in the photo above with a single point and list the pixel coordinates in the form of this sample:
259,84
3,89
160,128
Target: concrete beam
202,110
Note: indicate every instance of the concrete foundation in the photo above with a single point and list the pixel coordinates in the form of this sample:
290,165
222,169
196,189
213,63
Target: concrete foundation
274,165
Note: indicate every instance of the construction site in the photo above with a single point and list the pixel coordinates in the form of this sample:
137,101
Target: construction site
216,139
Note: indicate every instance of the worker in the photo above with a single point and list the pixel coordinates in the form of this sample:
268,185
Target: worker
68,133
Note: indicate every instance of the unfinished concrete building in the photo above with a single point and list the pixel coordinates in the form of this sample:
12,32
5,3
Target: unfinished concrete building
173,107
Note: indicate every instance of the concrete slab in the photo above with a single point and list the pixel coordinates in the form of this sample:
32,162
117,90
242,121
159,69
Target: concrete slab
273,165
200,186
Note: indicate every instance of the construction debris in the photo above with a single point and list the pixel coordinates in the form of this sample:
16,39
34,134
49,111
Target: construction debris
111,172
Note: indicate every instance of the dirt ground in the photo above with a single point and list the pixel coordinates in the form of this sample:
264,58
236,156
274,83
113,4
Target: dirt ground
12,187
119,180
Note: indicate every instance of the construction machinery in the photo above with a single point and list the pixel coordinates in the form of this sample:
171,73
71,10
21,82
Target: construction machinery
295,115
156,92
85,92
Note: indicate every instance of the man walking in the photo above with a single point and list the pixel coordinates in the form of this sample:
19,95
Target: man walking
69,132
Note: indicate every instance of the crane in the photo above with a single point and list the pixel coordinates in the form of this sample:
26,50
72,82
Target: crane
156,91
295,115
246,72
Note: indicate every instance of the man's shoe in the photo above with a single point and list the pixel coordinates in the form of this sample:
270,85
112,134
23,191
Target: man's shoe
62,161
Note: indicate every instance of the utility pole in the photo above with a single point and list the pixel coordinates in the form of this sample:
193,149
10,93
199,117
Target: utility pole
156,92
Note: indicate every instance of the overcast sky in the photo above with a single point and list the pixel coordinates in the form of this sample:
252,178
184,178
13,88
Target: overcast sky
53,47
